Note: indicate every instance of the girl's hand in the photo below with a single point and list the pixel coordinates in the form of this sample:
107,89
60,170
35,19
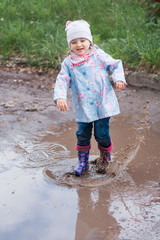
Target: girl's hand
119,85
62,105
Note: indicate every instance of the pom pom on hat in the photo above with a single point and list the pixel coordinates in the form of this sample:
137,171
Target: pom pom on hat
68,22
78,29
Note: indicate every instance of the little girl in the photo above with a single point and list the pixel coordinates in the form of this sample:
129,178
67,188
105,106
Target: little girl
86,69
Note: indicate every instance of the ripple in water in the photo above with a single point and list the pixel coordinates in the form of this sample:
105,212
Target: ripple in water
43,154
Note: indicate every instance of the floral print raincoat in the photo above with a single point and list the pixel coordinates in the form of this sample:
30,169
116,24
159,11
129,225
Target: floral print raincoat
93,96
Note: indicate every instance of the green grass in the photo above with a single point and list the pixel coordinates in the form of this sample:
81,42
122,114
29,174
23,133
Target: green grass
34,29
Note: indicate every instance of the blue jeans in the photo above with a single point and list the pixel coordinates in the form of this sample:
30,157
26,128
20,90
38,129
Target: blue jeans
101,132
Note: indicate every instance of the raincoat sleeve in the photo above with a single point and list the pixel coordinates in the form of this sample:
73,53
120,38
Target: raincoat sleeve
62,83
115,67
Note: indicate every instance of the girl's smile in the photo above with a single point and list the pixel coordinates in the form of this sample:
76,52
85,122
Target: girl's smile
80,46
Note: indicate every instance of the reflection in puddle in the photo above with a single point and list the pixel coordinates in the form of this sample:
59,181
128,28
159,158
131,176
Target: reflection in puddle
32,209
93,219
136,209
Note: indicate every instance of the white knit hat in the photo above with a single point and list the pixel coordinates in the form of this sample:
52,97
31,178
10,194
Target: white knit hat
78,29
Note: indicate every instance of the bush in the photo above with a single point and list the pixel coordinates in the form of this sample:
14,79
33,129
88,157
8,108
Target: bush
35,29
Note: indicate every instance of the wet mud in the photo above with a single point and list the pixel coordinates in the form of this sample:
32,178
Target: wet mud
40,196
61,172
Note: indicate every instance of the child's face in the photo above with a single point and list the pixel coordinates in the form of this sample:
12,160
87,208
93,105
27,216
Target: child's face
80,46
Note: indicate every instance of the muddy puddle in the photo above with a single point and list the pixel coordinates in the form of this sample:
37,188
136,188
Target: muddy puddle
61,169
40,198
43,202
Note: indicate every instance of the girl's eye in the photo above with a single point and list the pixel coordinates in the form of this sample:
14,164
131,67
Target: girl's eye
73,42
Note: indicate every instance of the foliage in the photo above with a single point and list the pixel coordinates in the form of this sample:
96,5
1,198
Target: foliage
35,29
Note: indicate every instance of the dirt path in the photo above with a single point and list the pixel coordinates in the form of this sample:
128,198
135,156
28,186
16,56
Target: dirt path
37,148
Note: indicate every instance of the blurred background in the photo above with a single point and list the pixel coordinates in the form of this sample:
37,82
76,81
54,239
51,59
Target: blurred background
126,29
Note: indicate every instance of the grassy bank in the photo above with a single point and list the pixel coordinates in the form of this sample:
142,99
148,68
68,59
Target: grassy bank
35,30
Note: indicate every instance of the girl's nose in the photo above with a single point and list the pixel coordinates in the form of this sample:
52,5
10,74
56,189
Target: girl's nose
78,43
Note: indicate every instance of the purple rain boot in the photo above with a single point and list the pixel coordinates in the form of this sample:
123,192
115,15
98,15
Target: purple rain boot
105,153
105,158
83,156
82,163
